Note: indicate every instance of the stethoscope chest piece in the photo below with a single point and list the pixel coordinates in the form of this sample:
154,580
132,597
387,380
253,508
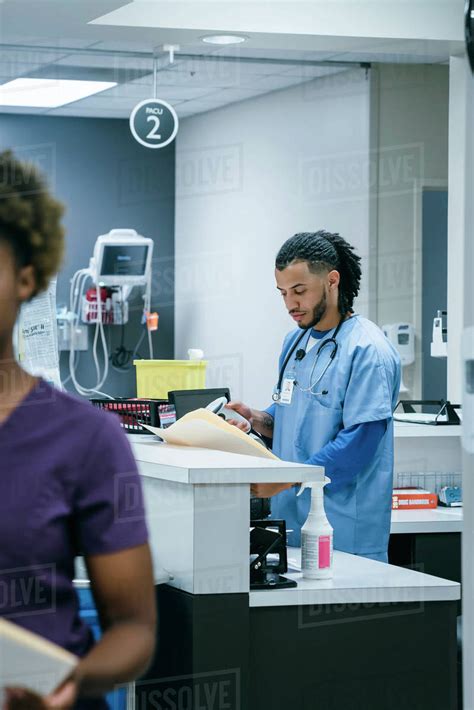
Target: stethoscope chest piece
312,385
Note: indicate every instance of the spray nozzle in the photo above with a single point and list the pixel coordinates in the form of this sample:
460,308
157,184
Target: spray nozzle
314,485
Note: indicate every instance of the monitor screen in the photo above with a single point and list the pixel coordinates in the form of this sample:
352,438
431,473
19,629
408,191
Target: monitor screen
127,260
185,401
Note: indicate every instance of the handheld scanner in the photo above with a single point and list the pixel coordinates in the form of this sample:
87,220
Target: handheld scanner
219,407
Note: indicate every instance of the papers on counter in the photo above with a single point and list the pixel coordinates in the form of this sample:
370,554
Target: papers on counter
206,430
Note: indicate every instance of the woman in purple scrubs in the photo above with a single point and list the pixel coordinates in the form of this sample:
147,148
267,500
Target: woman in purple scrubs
68,485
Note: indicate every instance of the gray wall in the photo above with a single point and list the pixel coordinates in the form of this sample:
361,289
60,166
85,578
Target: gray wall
106,180
435,287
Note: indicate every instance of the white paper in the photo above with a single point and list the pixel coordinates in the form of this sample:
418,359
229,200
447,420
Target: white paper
38,337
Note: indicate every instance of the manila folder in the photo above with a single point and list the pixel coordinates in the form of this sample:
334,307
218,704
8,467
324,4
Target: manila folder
205,429
30,661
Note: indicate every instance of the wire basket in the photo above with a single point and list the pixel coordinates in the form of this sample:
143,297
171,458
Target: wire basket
133,413
431,481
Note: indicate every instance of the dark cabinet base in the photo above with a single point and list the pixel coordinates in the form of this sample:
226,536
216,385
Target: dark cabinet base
214,653
432,553
354,657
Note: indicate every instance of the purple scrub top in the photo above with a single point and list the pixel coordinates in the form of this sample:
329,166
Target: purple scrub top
69,486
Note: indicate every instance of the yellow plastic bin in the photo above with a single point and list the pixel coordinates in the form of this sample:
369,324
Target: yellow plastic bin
155,378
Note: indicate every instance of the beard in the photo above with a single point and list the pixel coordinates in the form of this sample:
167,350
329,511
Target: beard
319,311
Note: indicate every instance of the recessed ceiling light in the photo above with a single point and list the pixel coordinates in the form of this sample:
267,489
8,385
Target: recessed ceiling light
49,93
224,39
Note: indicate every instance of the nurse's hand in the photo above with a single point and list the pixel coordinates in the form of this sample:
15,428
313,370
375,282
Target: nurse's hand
267,490
22,699
244,411
260,421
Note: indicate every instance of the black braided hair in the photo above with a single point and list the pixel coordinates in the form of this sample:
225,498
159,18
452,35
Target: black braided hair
325,251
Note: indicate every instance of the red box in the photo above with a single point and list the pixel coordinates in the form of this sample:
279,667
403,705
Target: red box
413,499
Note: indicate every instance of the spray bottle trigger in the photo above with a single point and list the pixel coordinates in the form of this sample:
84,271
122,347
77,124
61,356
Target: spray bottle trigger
313,484
302,488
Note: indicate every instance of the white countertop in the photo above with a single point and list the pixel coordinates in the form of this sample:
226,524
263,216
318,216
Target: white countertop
439,519
357,580
405,429
185,464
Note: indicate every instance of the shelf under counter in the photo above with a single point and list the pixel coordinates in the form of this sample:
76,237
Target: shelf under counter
434,520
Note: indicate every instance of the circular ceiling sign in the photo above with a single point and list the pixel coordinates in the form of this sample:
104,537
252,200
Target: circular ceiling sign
154,123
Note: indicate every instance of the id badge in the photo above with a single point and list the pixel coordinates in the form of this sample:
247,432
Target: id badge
287,390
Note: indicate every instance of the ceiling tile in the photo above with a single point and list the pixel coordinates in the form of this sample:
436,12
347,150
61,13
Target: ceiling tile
61,44
254,52
201,79
13,71
24,109
168,93
273,83
15,63
213,72
137,46
225,69
235,94
90,112
106,103
106,60
103,100
55,72
125,91
306,72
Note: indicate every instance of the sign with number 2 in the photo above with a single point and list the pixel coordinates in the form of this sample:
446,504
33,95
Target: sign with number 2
154,123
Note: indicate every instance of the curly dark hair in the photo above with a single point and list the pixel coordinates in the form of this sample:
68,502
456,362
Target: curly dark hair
30,219
325,251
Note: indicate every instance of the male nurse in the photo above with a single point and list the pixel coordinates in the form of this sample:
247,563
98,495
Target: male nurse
338,384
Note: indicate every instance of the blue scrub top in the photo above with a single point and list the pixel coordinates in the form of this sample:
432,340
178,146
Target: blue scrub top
362,385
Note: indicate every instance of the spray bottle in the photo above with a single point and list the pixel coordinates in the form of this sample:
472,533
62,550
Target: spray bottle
316,535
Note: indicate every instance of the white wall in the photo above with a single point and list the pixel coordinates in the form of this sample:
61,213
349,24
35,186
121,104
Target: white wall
412,144
248,177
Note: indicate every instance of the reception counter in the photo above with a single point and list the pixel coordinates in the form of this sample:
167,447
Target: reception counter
198,511
374,637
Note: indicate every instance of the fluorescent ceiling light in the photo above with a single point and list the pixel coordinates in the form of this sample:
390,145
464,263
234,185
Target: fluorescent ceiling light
224,39
49,93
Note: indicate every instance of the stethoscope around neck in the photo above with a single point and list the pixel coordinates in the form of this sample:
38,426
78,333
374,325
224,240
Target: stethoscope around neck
327,342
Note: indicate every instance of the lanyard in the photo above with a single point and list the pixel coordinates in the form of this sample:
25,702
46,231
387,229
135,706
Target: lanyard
328,341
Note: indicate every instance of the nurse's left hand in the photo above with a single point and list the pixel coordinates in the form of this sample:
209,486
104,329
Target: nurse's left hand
22,699
267,490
